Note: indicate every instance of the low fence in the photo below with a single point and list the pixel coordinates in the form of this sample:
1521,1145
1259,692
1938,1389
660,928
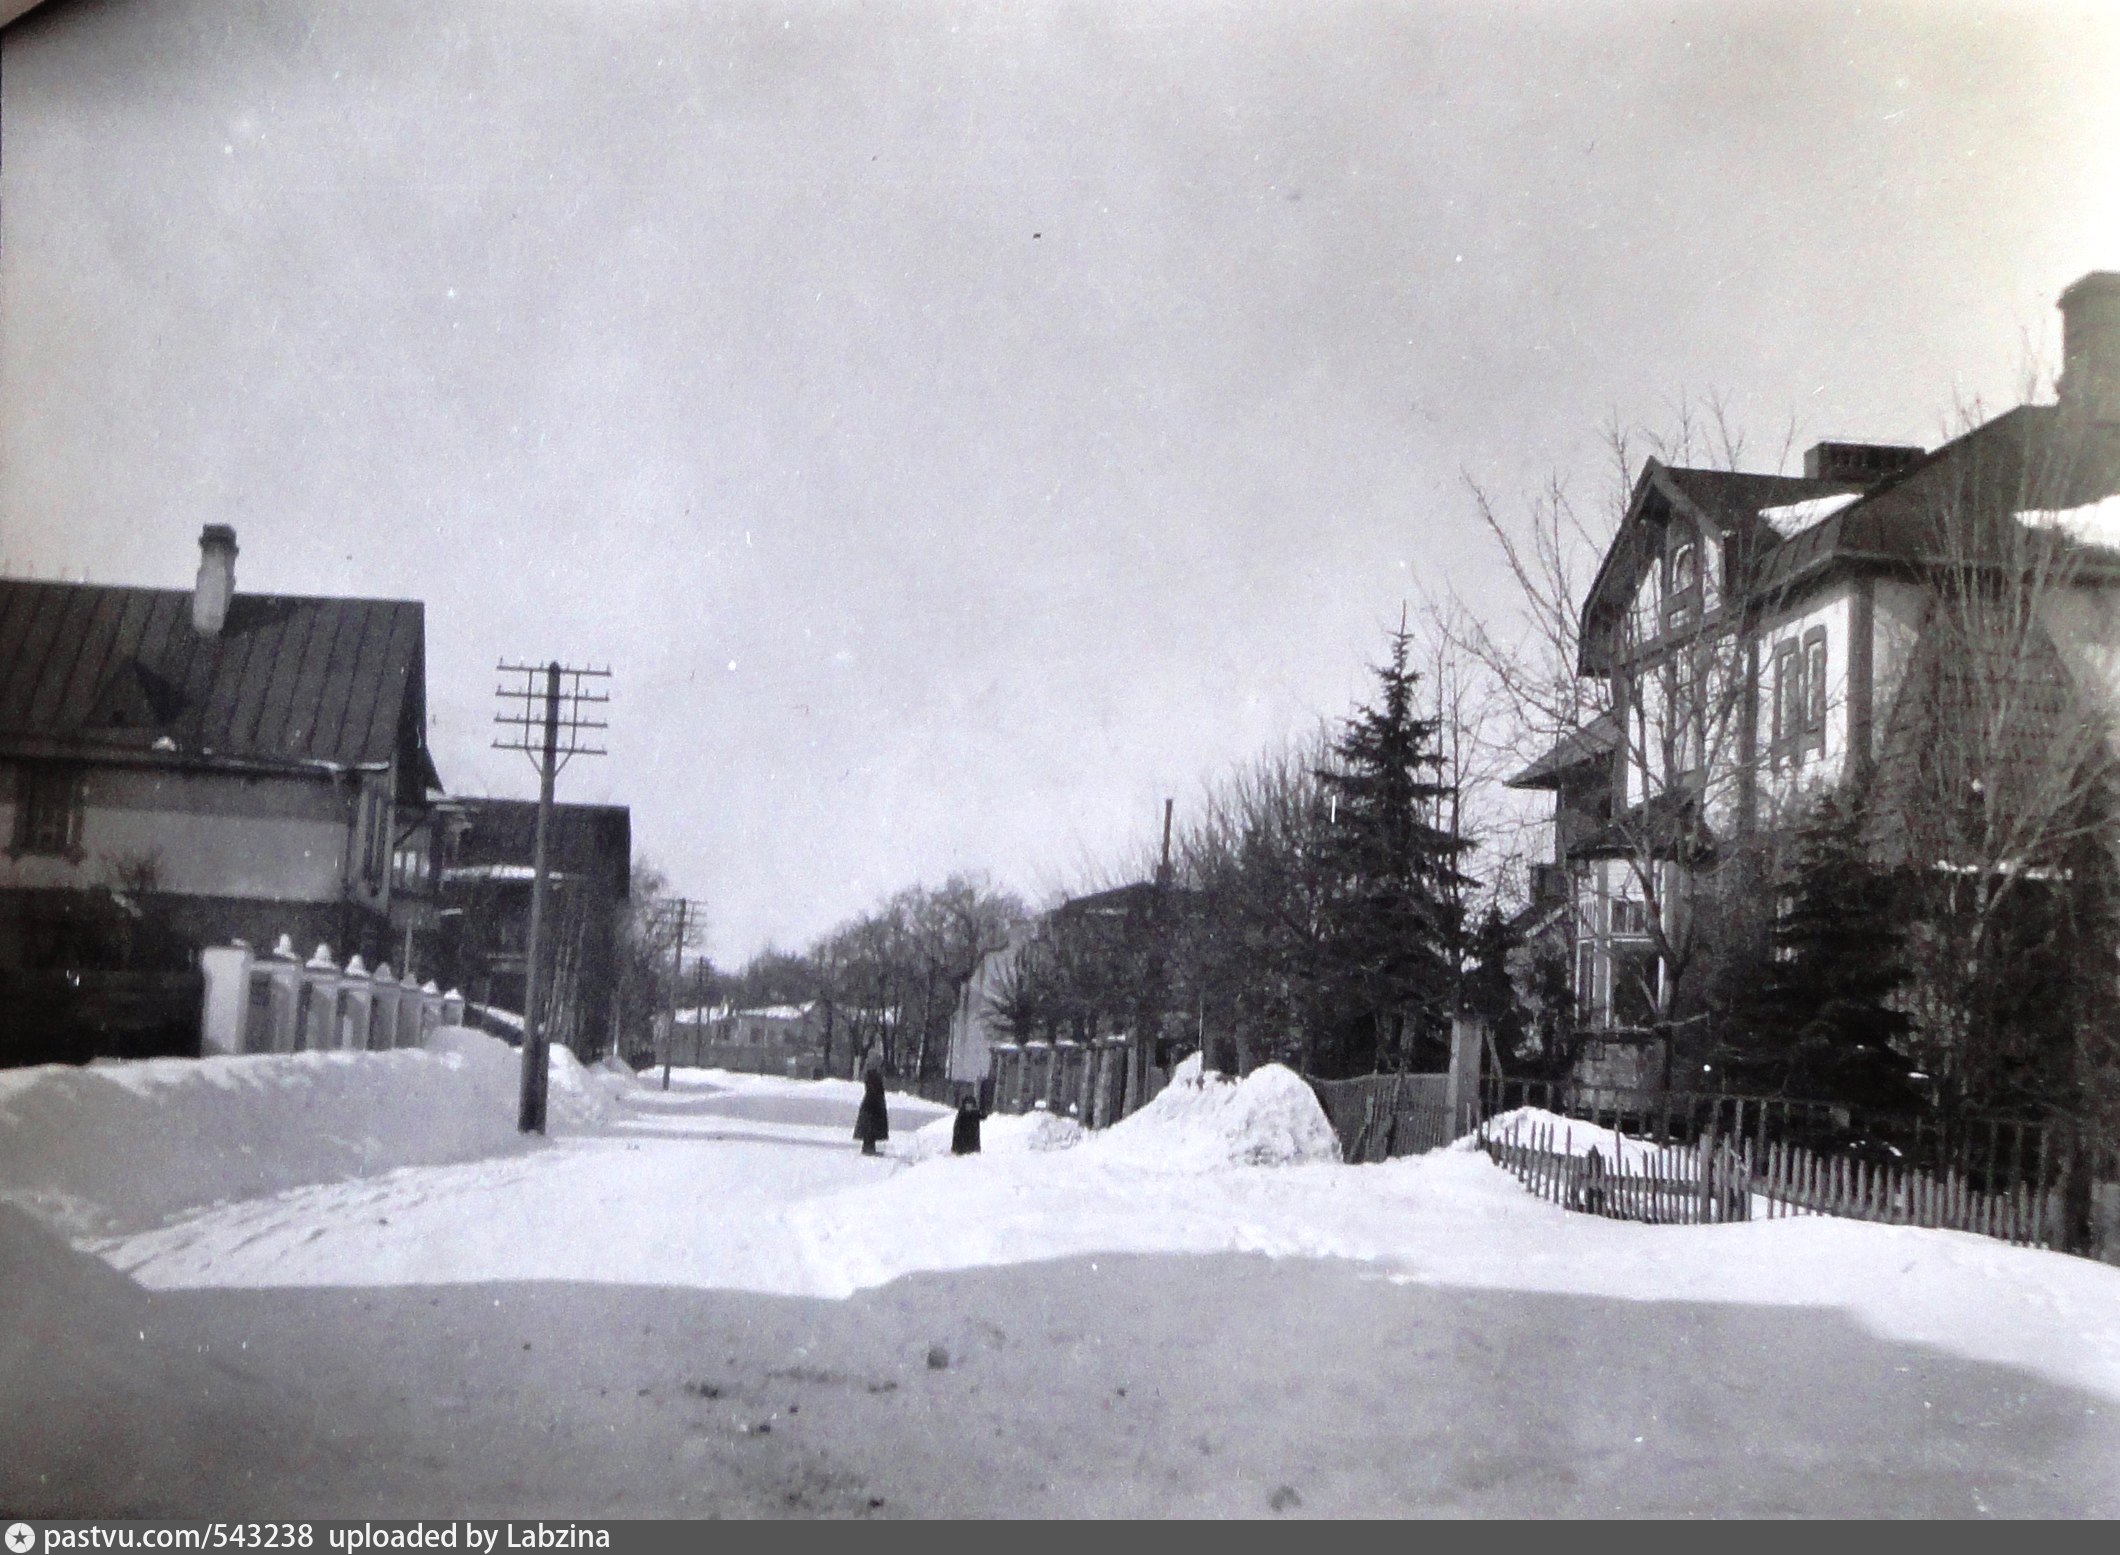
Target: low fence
1995,1152
1795,1181
1379,1116
1706,1183
2067,1198
281,1003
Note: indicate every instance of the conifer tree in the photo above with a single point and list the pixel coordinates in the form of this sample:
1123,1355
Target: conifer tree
1393,913
1490,992
1815,1016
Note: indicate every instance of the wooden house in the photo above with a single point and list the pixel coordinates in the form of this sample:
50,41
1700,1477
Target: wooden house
185,768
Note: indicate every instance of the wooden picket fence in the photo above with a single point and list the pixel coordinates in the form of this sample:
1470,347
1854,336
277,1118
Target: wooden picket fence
1699,1184
1715,1181
1795,1181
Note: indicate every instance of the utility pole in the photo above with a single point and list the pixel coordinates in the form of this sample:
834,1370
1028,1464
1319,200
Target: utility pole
1152,993
690,926
550,737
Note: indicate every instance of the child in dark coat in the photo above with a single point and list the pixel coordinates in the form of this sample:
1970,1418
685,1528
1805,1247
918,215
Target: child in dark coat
964,1134
871,1123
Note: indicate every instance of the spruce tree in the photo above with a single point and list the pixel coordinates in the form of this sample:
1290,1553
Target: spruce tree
1393,919
1816,1016
1490,992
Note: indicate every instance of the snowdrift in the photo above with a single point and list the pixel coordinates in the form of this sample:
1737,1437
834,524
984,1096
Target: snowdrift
118,1147
1201,1121
103,1402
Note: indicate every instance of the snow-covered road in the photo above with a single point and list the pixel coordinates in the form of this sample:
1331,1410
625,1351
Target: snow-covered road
707,1301
689,1187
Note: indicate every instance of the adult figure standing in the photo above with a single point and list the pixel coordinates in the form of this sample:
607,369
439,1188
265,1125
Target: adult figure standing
872,1123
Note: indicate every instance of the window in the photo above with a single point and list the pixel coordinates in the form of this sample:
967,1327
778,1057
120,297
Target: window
1682,587
375,837
1634,978
48,805
1814,674
1586,976
1686,680
1788,701
1799,699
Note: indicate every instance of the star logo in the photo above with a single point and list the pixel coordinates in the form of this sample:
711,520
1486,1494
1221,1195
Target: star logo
21,1538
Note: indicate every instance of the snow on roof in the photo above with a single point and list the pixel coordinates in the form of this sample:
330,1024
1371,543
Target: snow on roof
1791,518
459,872
2094,523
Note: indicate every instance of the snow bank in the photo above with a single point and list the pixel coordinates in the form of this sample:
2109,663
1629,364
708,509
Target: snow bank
1201,1121
1001,1134
122,1146
1570,1136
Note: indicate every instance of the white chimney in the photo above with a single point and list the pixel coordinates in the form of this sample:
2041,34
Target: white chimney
217,580
2090,347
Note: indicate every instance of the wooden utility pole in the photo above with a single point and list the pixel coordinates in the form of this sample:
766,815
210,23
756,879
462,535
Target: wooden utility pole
550,736
1151,1007
691,918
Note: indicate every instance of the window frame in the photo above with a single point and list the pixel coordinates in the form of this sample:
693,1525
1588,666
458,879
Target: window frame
1682,586
1789,703
1814,695
42,788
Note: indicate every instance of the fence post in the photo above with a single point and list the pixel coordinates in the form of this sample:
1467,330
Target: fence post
1706,1174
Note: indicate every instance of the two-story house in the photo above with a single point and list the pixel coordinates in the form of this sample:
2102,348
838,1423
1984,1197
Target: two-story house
1748,637
183,768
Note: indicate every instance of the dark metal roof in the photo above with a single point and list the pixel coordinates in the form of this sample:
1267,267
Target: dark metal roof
2033,457
89,669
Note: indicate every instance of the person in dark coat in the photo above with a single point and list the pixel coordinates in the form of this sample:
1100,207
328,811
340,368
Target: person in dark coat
871,1123
964,1135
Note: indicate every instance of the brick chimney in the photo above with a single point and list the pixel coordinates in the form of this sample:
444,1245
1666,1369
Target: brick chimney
217,580
2090,347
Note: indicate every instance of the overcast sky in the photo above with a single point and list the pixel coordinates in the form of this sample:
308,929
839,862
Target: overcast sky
960,426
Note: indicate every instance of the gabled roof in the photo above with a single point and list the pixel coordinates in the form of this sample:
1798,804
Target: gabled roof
290,683
1725,504
1577,748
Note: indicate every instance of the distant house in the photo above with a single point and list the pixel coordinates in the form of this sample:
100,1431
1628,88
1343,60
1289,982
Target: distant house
182,768
773,1039
489,850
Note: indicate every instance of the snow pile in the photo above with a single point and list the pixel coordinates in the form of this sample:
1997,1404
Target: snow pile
577,1097
1201,1121
1538,1129
126,1145
1001,1134
1792,518
2093,523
